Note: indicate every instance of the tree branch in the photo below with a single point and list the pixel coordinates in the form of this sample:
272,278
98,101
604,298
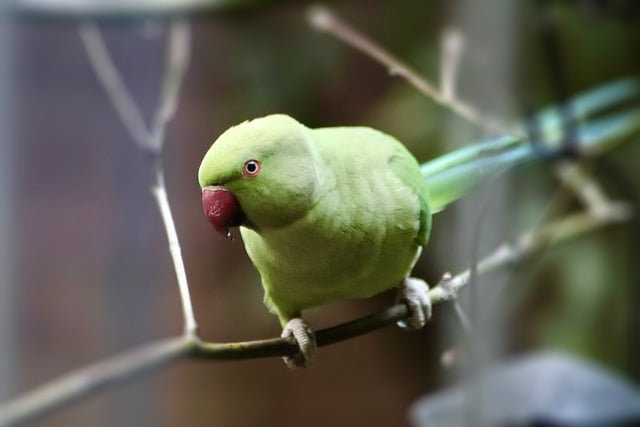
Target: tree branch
159,191
452,47
90,380
150,357
113,84
589,191
323,19
151,141
177,64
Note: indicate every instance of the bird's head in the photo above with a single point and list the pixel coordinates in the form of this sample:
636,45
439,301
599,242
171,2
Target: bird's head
260,174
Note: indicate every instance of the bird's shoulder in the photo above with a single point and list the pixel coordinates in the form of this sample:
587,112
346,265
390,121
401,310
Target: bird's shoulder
366,151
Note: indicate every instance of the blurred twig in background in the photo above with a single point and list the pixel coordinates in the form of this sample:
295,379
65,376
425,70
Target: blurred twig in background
150,140
323,19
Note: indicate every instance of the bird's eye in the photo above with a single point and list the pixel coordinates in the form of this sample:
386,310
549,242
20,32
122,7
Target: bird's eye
251,168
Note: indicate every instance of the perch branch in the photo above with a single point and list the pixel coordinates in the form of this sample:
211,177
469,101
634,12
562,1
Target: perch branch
150,357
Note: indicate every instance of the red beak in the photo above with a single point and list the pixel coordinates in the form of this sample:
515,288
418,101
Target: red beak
222,209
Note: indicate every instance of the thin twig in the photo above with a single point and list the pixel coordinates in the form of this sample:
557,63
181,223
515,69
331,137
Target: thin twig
323,19
452,46
465,323
588,190
113,84
159,191
532,242
178,55
177,63
90,380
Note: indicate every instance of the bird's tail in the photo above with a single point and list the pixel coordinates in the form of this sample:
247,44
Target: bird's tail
597,121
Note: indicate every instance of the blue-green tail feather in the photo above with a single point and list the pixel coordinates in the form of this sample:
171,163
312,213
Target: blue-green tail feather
596,125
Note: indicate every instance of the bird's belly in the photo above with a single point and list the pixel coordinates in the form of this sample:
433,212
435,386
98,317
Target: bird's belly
301,269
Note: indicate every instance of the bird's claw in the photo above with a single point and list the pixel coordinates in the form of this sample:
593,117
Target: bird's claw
306,339
415,293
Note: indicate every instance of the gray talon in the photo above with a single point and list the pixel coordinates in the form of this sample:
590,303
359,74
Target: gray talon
415,293
306,339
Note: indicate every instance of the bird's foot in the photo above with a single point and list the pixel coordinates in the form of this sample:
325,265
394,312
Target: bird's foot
306,339
415,293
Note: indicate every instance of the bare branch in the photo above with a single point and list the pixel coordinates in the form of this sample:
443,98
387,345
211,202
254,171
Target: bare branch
178,52
90,380
323,19
150,357
113,84
452,49
159,191
533,242
177,63
574,177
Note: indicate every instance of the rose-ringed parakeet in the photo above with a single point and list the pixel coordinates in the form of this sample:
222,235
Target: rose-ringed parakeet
325,214
334,213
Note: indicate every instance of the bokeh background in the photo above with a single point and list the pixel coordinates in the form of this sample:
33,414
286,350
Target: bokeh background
84,266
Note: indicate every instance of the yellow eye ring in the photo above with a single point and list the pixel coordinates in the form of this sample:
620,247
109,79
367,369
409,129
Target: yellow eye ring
251,168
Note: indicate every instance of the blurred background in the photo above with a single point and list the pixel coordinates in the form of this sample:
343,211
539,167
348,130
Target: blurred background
84,267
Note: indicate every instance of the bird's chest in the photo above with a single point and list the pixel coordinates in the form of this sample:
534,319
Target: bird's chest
350,252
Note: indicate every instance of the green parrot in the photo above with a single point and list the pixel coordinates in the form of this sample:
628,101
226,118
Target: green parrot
325,214
343,212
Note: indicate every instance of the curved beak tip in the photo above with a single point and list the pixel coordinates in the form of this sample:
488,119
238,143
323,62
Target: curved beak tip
222,209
